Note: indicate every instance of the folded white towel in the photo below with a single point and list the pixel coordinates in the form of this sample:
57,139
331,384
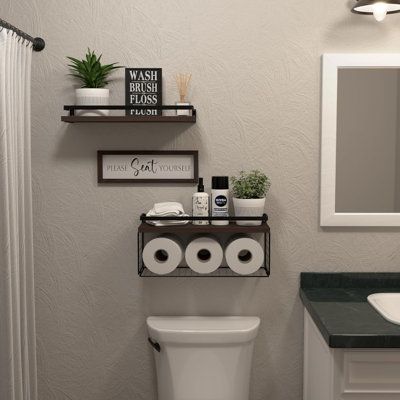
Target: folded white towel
167,209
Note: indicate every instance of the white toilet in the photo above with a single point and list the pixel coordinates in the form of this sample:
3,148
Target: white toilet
203,358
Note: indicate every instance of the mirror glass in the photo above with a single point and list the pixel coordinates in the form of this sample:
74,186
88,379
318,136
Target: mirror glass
368,140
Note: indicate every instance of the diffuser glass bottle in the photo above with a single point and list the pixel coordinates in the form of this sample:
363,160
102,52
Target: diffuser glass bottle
182,81
200,204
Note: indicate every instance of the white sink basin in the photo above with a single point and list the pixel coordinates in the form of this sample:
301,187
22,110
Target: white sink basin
387,304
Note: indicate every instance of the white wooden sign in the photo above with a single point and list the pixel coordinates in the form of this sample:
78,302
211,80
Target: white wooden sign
136,166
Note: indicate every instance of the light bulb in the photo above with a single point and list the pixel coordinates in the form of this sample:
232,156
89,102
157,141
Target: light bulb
380,11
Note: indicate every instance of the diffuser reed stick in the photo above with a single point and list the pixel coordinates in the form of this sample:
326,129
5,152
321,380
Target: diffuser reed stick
182,81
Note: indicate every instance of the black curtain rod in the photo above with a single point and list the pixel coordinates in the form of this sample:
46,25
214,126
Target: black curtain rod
37,42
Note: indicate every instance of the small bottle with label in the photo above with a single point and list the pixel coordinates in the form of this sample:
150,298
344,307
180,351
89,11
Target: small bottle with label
220,199
200,206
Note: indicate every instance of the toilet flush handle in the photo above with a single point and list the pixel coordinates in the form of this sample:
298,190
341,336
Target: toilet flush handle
155,345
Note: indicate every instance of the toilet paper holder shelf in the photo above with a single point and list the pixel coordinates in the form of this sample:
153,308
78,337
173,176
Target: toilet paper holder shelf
189,229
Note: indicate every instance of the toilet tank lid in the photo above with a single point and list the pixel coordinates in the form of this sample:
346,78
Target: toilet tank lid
204,325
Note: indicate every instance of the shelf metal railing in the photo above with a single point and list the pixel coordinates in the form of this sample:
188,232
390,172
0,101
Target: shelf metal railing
231,228
73,108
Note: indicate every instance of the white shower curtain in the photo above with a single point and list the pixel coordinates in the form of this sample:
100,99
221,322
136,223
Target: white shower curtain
17,303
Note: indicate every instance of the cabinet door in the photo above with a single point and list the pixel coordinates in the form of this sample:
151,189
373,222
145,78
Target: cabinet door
371,374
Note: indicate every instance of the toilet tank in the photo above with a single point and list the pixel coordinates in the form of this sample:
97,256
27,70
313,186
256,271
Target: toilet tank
203,358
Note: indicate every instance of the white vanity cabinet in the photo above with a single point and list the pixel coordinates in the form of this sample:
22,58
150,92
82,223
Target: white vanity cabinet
347,374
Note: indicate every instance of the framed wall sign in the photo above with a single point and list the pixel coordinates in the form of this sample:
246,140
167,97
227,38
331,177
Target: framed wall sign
138,166
143,86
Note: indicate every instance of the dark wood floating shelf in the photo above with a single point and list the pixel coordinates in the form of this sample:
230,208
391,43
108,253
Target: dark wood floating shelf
160,118
72,118
189,229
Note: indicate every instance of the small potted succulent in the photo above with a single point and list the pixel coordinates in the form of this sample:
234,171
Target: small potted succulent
93,77
249,191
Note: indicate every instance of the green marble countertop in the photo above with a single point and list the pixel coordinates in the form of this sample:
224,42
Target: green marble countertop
337,303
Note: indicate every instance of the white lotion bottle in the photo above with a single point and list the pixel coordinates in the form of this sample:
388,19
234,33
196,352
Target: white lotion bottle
200,204
220,199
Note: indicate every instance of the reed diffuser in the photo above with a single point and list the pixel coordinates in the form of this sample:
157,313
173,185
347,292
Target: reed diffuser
182,82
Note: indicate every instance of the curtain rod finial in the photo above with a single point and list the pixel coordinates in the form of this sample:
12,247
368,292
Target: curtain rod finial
38,44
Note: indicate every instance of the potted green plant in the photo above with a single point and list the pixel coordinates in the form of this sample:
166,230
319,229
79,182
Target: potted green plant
249,191
93,77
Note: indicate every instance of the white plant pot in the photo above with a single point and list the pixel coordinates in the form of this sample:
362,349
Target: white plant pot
248,208
92,97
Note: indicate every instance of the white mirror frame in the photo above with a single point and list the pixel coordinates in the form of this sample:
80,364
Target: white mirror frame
330,65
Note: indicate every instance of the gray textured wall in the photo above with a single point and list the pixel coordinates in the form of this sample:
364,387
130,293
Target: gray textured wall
256,84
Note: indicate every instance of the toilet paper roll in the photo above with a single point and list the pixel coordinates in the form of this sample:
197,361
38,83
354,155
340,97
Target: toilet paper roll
244,255
204,254
162,254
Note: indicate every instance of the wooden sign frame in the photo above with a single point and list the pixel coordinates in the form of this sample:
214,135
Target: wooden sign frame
130,169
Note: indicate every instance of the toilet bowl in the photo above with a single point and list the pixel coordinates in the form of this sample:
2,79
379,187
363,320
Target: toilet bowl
203,358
